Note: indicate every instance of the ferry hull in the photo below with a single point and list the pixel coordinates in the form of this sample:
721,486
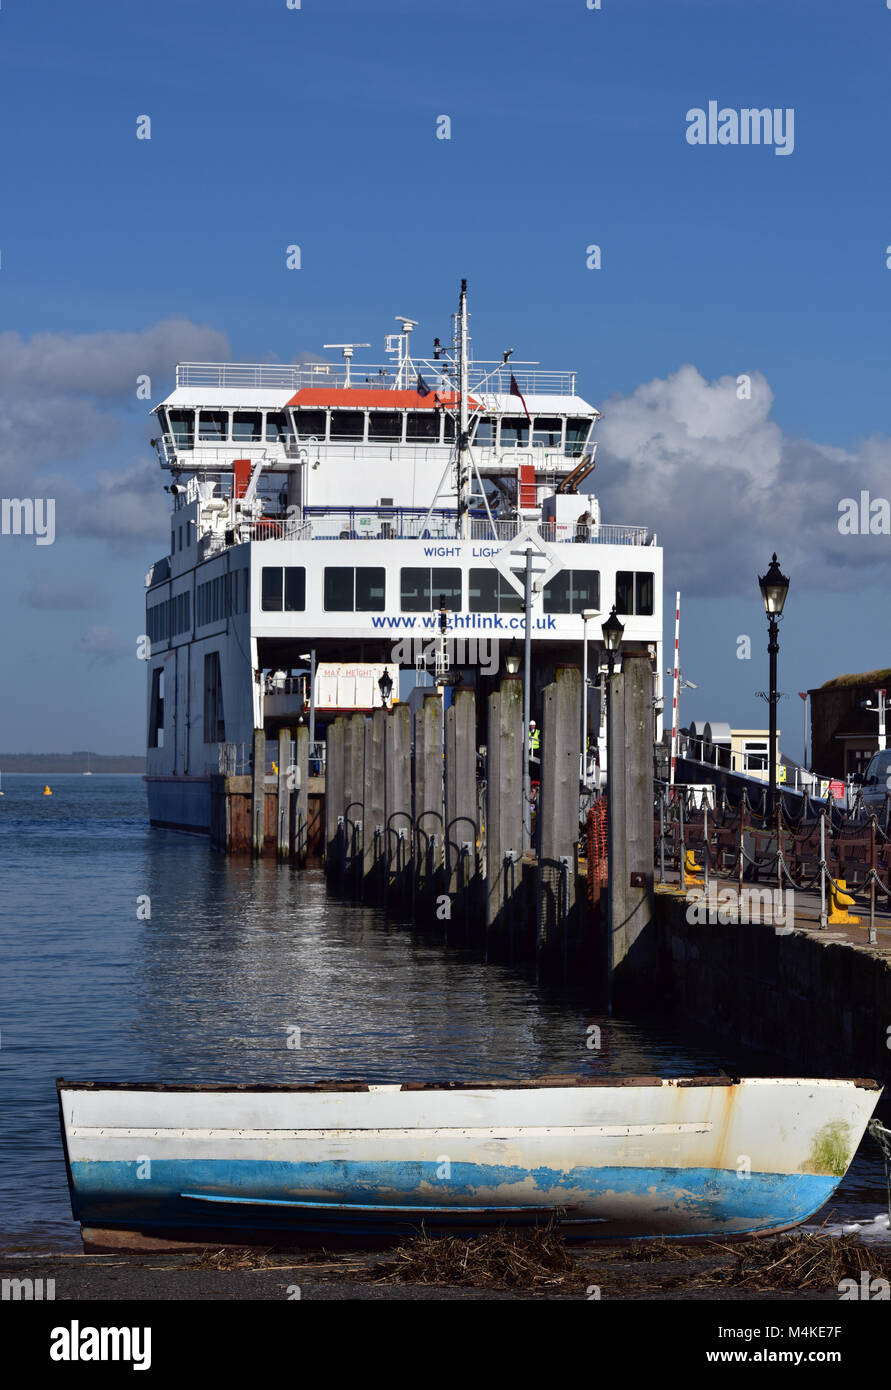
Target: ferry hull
610,1161
179,803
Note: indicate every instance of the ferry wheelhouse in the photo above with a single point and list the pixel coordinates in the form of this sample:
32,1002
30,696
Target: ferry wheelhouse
334,518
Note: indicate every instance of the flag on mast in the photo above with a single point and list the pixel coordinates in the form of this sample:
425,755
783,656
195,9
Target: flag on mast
515,391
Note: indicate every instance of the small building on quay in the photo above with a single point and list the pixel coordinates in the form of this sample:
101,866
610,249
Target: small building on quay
844,732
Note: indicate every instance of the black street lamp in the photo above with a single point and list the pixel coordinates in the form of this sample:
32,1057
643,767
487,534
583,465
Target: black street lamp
385,686
774,588
612,631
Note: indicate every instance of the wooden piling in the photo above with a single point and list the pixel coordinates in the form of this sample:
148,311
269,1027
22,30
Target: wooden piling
300,798
354,796
397,805
557,817
285,793
334,797
504,818
373,837
631,941
258,793
461,828
428,806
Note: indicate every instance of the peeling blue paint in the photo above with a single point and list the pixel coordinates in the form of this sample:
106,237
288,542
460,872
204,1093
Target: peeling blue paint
627,1201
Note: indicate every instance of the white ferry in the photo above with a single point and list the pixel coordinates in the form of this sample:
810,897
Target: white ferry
336,515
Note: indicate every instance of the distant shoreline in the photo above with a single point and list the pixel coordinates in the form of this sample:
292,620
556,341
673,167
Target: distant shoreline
77,763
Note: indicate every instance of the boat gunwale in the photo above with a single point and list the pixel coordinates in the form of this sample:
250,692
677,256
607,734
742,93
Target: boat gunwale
540,1083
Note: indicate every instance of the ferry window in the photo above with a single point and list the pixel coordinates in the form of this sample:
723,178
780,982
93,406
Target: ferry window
295,589
576,434
385,424
182,427
423,425
643,594
271,589
277,426
489,592
172,540
514,431
213,425
370,587
635,593
422,590
310,424
485,434
624,592
448,427
339,586
156,710
180,538
246,426
547,432
572,591
347,424
556,595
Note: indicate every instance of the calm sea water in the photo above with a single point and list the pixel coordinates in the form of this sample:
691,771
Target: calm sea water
232,956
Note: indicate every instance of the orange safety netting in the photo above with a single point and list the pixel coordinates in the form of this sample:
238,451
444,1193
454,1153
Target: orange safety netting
595,832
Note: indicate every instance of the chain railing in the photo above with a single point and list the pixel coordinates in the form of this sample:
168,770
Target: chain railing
819,850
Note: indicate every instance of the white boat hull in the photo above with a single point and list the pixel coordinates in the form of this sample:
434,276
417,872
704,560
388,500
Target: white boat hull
648,1157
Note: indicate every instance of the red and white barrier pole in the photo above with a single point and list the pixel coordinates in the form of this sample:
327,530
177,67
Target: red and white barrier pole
675,692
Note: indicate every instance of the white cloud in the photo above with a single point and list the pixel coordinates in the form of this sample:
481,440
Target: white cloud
723,487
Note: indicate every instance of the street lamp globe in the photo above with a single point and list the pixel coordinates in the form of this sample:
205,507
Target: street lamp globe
774,588
612,631
385,685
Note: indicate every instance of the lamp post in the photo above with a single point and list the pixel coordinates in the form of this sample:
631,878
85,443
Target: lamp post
612,631
587,615
311,658
774,588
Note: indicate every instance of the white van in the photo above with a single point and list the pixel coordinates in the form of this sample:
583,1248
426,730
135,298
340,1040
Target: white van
877,781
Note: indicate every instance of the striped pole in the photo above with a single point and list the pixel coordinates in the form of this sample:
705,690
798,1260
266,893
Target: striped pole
675,691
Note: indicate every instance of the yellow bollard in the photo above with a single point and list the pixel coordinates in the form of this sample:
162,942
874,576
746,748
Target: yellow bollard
692,871
839,903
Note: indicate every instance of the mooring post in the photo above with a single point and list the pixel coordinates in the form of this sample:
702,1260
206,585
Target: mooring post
300,800
397,809
631,943
504,814
334,797
558,814
283,808
460,794
353,796
428,795
374,801
258,793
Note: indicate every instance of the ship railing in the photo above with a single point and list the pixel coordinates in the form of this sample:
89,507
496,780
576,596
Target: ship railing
487,377
233,759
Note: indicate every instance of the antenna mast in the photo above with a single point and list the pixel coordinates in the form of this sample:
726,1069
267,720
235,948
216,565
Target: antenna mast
463,423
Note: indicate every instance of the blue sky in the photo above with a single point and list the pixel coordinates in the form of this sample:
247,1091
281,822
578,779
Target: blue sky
316,126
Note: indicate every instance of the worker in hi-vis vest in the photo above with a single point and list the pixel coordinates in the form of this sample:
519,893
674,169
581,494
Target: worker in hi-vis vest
534,739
